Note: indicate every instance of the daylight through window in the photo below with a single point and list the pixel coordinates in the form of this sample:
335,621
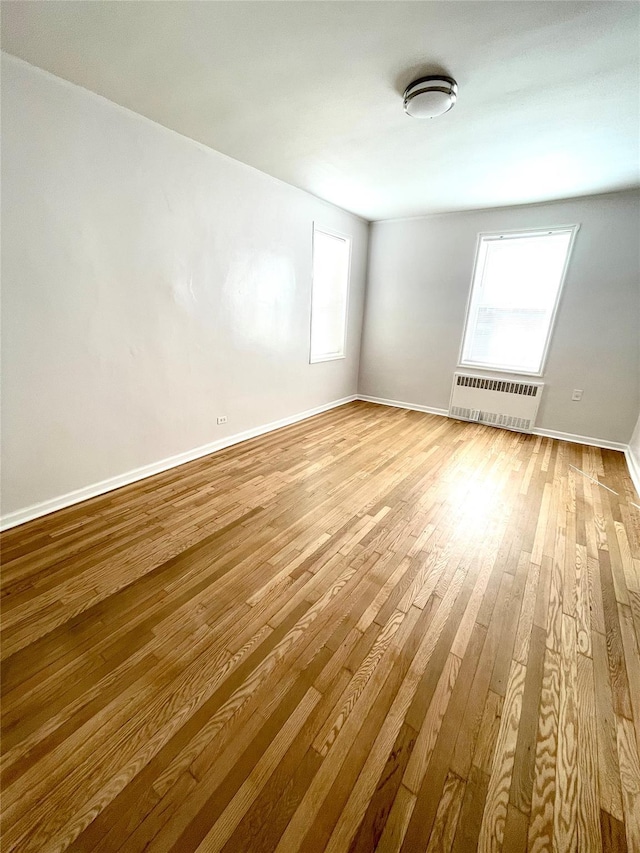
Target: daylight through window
331,257
514,294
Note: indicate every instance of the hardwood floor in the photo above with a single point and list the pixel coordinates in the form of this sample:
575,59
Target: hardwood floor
373,630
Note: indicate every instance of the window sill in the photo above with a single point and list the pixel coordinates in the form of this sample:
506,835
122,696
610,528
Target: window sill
491,369
321,358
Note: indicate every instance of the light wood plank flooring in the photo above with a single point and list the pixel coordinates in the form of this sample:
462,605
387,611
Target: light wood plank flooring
374,630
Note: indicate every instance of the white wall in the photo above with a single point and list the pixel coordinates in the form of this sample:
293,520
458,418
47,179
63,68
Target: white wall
149,285
419,280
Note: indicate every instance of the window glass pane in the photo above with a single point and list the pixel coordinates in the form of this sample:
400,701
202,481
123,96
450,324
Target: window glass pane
514,293
329,295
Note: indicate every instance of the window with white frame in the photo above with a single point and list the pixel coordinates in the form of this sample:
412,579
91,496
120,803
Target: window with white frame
516,285
329,294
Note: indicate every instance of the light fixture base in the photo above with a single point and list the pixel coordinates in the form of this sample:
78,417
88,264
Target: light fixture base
431,96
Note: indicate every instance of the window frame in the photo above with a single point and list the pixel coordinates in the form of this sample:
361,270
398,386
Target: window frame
520,232
349,240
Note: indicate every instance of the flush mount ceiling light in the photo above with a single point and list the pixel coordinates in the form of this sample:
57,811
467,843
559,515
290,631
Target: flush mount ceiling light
430,96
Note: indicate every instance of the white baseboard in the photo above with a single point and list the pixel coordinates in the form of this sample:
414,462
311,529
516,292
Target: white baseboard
604,443
397,404
549,433
13,519
633,465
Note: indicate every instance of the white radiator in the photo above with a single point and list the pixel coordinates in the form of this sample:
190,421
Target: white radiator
497,402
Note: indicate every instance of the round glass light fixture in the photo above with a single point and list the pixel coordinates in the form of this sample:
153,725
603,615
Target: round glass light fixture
430,96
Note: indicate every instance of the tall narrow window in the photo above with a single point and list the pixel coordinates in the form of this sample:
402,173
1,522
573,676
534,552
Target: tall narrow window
329,294
514,295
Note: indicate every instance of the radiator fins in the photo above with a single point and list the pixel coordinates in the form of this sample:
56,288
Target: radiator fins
491,418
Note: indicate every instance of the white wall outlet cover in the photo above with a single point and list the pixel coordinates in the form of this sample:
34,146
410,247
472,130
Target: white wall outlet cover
577,394
222,420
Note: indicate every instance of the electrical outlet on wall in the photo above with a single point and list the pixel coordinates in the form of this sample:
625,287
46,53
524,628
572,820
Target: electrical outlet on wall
577,395
222,420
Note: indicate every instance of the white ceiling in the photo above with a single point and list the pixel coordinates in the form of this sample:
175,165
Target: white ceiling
311,92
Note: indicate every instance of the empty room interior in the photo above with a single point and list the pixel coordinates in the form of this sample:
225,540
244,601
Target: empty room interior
320,426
